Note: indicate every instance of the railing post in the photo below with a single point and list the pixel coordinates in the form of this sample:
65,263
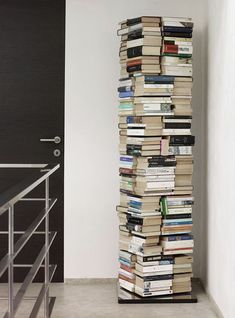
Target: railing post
11,268
46,300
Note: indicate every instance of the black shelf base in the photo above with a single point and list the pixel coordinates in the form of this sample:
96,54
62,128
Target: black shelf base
126,297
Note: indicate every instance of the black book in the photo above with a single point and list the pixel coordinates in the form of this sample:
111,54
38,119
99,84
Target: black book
133,21
159,79
125,191
158,277
165,164
178,117
125,89
131,227
167,258
134,68
177,34
177,29
151,258
162,160
137,34
132,220
182,140
178,125
134,147
134,51
133,150
177,216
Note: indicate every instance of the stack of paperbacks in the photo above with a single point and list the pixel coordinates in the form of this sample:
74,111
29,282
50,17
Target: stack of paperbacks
156,162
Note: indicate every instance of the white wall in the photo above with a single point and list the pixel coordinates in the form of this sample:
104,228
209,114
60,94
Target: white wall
219,257
91,151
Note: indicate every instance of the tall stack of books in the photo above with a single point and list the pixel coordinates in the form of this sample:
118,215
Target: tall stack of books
156,163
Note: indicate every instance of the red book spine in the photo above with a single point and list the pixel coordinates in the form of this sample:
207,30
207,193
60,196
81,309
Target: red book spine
133,63
126,170
126,278
170,48
126,268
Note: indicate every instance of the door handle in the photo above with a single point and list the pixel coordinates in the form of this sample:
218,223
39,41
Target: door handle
56,139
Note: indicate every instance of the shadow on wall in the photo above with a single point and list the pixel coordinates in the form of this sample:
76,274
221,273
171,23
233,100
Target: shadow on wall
204,166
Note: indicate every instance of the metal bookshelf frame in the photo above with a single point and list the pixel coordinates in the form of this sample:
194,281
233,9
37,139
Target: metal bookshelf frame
8,200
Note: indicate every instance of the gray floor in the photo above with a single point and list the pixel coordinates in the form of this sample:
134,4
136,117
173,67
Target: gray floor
99,300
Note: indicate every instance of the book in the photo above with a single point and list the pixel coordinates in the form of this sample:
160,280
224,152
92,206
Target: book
143,50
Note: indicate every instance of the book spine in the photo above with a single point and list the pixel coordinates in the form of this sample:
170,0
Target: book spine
134,51
177,29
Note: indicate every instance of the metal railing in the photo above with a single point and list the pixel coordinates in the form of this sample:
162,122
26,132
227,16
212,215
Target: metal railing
7,201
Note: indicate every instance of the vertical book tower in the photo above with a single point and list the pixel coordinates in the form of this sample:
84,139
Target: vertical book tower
156,162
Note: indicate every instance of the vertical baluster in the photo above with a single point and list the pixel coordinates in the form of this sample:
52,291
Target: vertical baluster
11,268
46,300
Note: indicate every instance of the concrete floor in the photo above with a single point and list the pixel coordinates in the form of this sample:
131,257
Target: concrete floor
99,300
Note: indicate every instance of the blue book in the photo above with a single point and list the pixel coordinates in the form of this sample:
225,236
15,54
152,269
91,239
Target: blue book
130,120
178,223
166,262
123,261
126,159
180,237
126,94
160,79
177,29
135,204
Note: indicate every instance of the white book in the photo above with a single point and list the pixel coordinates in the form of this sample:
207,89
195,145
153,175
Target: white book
157,178
185,49
177,244
140,274
127,285
144,41
141,25
158,86
180,150
141,292
159,170
171,38
176,120
175,23
182,266
180,198
157,268
126,273
180,251
155,233
153,100
175,131
137,240
160,185
177,42
176,19
128,82
186,72
155,113
183,210
158,283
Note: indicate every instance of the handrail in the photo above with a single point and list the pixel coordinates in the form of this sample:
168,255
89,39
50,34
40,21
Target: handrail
32,273
18,191
42,293
8,198
4,263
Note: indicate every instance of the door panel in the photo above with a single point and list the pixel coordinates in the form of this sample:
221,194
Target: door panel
32,44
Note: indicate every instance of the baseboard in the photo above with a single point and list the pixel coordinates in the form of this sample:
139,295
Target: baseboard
215,307
84,281
75,281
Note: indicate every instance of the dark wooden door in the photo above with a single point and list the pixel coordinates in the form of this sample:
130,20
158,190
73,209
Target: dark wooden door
32,49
